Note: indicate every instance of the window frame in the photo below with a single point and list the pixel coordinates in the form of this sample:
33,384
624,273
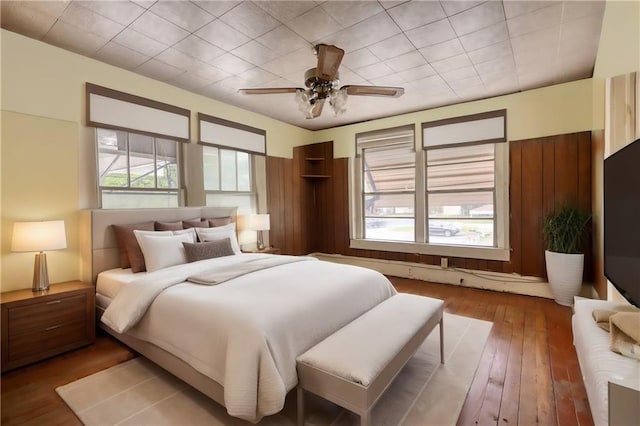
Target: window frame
128,189
420,245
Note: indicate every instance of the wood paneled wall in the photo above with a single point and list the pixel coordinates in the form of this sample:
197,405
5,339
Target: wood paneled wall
312,215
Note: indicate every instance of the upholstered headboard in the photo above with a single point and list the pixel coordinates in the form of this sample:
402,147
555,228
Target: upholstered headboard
99,248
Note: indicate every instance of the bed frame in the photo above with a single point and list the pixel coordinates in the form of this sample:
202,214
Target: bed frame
100,253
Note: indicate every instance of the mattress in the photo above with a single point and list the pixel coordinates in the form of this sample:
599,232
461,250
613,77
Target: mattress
110,282
597,362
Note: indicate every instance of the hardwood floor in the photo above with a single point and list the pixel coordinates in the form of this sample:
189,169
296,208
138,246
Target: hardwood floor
528,373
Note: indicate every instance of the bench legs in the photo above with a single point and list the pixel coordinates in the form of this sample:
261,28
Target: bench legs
300,406
441,340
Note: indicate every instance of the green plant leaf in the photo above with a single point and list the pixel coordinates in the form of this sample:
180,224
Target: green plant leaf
565,229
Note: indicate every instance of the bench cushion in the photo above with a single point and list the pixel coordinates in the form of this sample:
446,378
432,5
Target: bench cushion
361,350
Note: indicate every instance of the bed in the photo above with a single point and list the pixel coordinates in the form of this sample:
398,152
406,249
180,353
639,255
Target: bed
235,341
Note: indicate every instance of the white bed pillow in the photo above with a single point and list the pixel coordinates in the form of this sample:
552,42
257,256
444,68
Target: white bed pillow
220,233
162,251
191,232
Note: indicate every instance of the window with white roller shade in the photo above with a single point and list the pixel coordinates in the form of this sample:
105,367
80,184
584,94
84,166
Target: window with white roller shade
222,133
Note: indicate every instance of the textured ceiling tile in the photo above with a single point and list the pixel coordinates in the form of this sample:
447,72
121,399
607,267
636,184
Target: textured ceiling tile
122,12
282,40
222,35
90,21
417,73
210,72
300,60
415,14
144,3
232,64
431,34
158,28
216,8
394,80
391,47
459,74
347,13
347,39
505,63
285,10
485,37
478,17
579,34
452,63
580,9
182,13
323,24
442,50
546,39
349,77
250,19
178,59
491,52
452,7
197,48
374,71
158,70
218,90
388,4
513,8
257,75
74,39
466,83
434,84
535,21
406,61
189,81
139,42
359,58
49,7
18,18
255,53
120,56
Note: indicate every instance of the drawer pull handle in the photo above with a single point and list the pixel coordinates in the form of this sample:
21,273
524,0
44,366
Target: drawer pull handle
53,327
53,302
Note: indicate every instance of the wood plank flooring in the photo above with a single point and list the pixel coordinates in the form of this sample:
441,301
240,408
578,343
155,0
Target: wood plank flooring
528,373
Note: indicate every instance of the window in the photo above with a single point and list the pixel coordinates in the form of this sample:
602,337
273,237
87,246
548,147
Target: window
449,198
137,171
228,178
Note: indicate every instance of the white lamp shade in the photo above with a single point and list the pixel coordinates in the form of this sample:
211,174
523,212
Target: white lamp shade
259,222
39,236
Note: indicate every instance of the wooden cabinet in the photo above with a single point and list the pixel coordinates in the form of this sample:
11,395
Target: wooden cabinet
39,325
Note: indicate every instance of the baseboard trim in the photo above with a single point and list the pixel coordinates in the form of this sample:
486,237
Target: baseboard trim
495,281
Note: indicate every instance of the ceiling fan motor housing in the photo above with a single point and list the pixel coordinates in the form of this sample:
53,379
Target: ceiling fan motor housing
320,87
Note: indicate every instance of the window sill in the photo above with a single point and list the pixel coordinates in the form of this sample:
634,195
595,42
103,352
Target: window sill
485,253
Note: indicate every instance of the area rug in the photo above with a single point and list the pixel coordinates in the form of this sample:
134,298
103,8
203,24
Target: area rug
425,392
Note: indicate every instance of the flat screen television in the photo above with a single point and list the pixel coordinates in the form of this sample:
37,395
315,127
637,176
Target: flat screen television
622,221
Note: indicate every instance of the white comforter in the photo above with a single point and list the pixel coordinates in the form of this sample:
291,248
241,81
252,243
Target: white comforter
247,332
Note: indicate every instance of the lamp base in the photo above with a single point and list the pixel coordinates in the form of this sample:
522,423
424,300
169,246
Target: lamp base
40,274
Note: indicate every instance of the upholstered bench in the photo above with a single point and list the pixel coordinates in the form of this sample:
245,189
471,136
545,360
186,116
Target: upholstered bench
355,365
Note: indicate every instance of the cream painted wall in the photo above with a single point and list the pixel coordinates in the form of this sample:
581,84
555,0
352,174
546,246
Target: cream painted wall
39,182
619,48
564,108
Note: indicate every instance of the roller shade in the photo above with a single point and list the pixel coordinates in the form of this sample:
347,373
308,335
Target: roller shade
488,127
111,109
228,134
386,137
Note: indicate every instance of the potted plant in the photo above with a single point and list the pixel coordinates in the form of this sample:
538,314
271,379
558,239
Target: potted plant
564,232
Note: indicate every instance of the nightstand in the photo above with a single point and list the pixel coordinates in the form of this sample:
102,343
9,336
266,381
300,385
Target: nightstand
268,250
40,325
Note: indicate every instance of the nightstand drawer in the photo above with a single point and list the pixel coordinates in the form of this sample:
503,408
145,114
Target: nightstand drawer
33,345
43,315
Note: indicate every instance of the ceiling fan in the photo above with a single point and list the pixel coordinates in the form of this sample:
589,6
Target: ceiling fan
322,82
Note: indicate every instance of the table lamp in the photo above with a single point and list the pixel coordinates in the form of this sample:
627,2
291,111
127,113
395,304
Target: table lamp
38,237
259,223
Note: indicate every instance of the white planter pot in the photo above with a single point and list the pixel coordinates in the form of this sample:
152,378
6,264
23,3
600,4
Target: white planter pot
565,275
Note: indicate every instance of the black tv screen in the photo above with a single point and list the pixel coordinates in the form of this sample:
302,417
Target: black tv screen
622,221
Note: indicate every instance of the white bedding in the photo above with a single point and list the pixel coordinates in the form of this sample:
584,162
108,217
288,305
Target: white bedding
110,282
247,332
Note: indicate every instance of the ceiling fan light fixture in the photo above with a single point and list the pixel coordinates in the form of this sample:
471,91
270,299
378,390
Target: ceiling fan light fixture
338,101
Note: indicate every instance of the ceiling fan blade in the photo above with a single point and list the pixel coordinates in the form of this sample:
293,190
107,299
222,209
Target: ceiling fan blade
317,109
329,59
374,90
269,90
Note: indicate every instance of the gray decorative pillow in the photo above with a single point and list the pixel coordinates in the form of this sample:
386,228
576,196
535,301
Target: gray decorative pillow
196,223
208,250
